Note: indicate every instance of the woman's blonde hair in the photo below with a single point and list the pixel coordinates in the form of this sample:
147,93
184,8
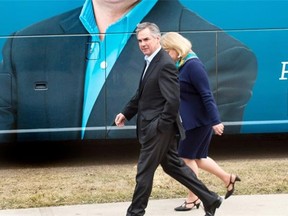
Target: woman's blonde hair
173,40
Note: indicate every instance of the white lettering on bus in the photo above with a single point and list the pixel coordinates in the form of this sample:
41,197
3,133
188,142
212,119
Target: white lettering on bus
284,71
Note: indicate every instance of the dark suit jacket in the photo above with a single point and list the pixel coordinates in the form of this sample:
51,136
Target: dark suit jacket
197,107
57,65
157,99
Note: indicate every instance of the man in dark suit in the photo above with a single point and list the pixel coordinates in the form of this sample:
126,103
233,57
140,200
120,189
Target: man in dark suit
156,104
42,75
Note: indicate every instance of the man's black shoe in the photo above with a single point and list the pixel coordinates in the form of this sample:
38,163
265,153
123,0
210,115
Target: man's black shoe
210,210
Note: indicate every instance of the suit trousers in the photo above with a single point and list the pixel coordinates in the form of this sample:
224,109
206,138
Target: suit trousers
162,149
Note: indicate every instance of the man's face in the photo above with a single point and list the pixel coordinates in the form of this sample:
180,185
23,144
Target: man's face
116,4
148,43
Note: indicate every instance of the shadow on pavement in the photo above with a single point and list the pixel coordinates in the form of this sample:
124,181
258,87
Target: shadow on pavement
227,147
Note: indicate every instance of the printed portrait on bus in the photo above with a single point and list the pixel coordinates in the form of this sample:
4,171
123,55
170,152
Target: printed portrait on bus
67,76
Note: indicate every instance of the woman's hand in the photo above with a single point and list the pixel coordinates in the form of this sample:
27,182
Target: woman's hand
218,129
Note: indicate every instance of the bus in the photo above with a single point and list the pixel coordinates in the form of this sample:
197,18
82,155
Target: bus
46,47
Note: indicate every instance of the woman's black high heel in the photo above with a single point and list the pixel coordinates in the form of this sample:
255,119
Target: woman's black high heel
183,207
230,192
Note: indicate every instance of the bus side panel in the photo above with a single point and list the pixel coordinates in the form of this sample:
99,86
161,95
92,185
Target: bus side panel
45,55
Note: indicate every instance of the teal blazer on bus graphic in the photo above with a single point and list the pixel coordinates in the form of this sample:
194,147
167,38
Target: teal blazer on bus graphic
42,78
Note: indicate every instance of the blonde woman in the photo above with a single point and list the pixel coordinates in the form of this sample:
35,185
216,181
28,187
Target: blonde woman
199,114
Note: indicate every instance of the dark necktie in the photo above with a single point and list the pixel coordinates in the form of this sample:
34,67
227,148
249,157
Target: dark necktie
145,68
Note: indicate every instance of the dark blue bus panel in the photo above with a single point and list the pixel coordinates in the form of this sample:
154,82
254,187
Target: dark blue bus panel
46,93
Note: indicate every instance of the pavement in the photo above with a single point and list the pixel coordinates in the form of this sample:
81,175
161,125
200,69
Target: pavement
240,205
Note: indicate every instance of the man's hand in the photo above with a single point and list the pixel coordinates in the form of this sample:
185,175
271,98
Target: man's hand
120,120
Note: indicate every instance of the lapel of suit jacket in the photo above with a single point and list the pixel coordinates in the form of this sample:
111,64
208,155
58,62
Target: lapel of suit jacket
73,27
75,40
72,23
150,69
121,81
